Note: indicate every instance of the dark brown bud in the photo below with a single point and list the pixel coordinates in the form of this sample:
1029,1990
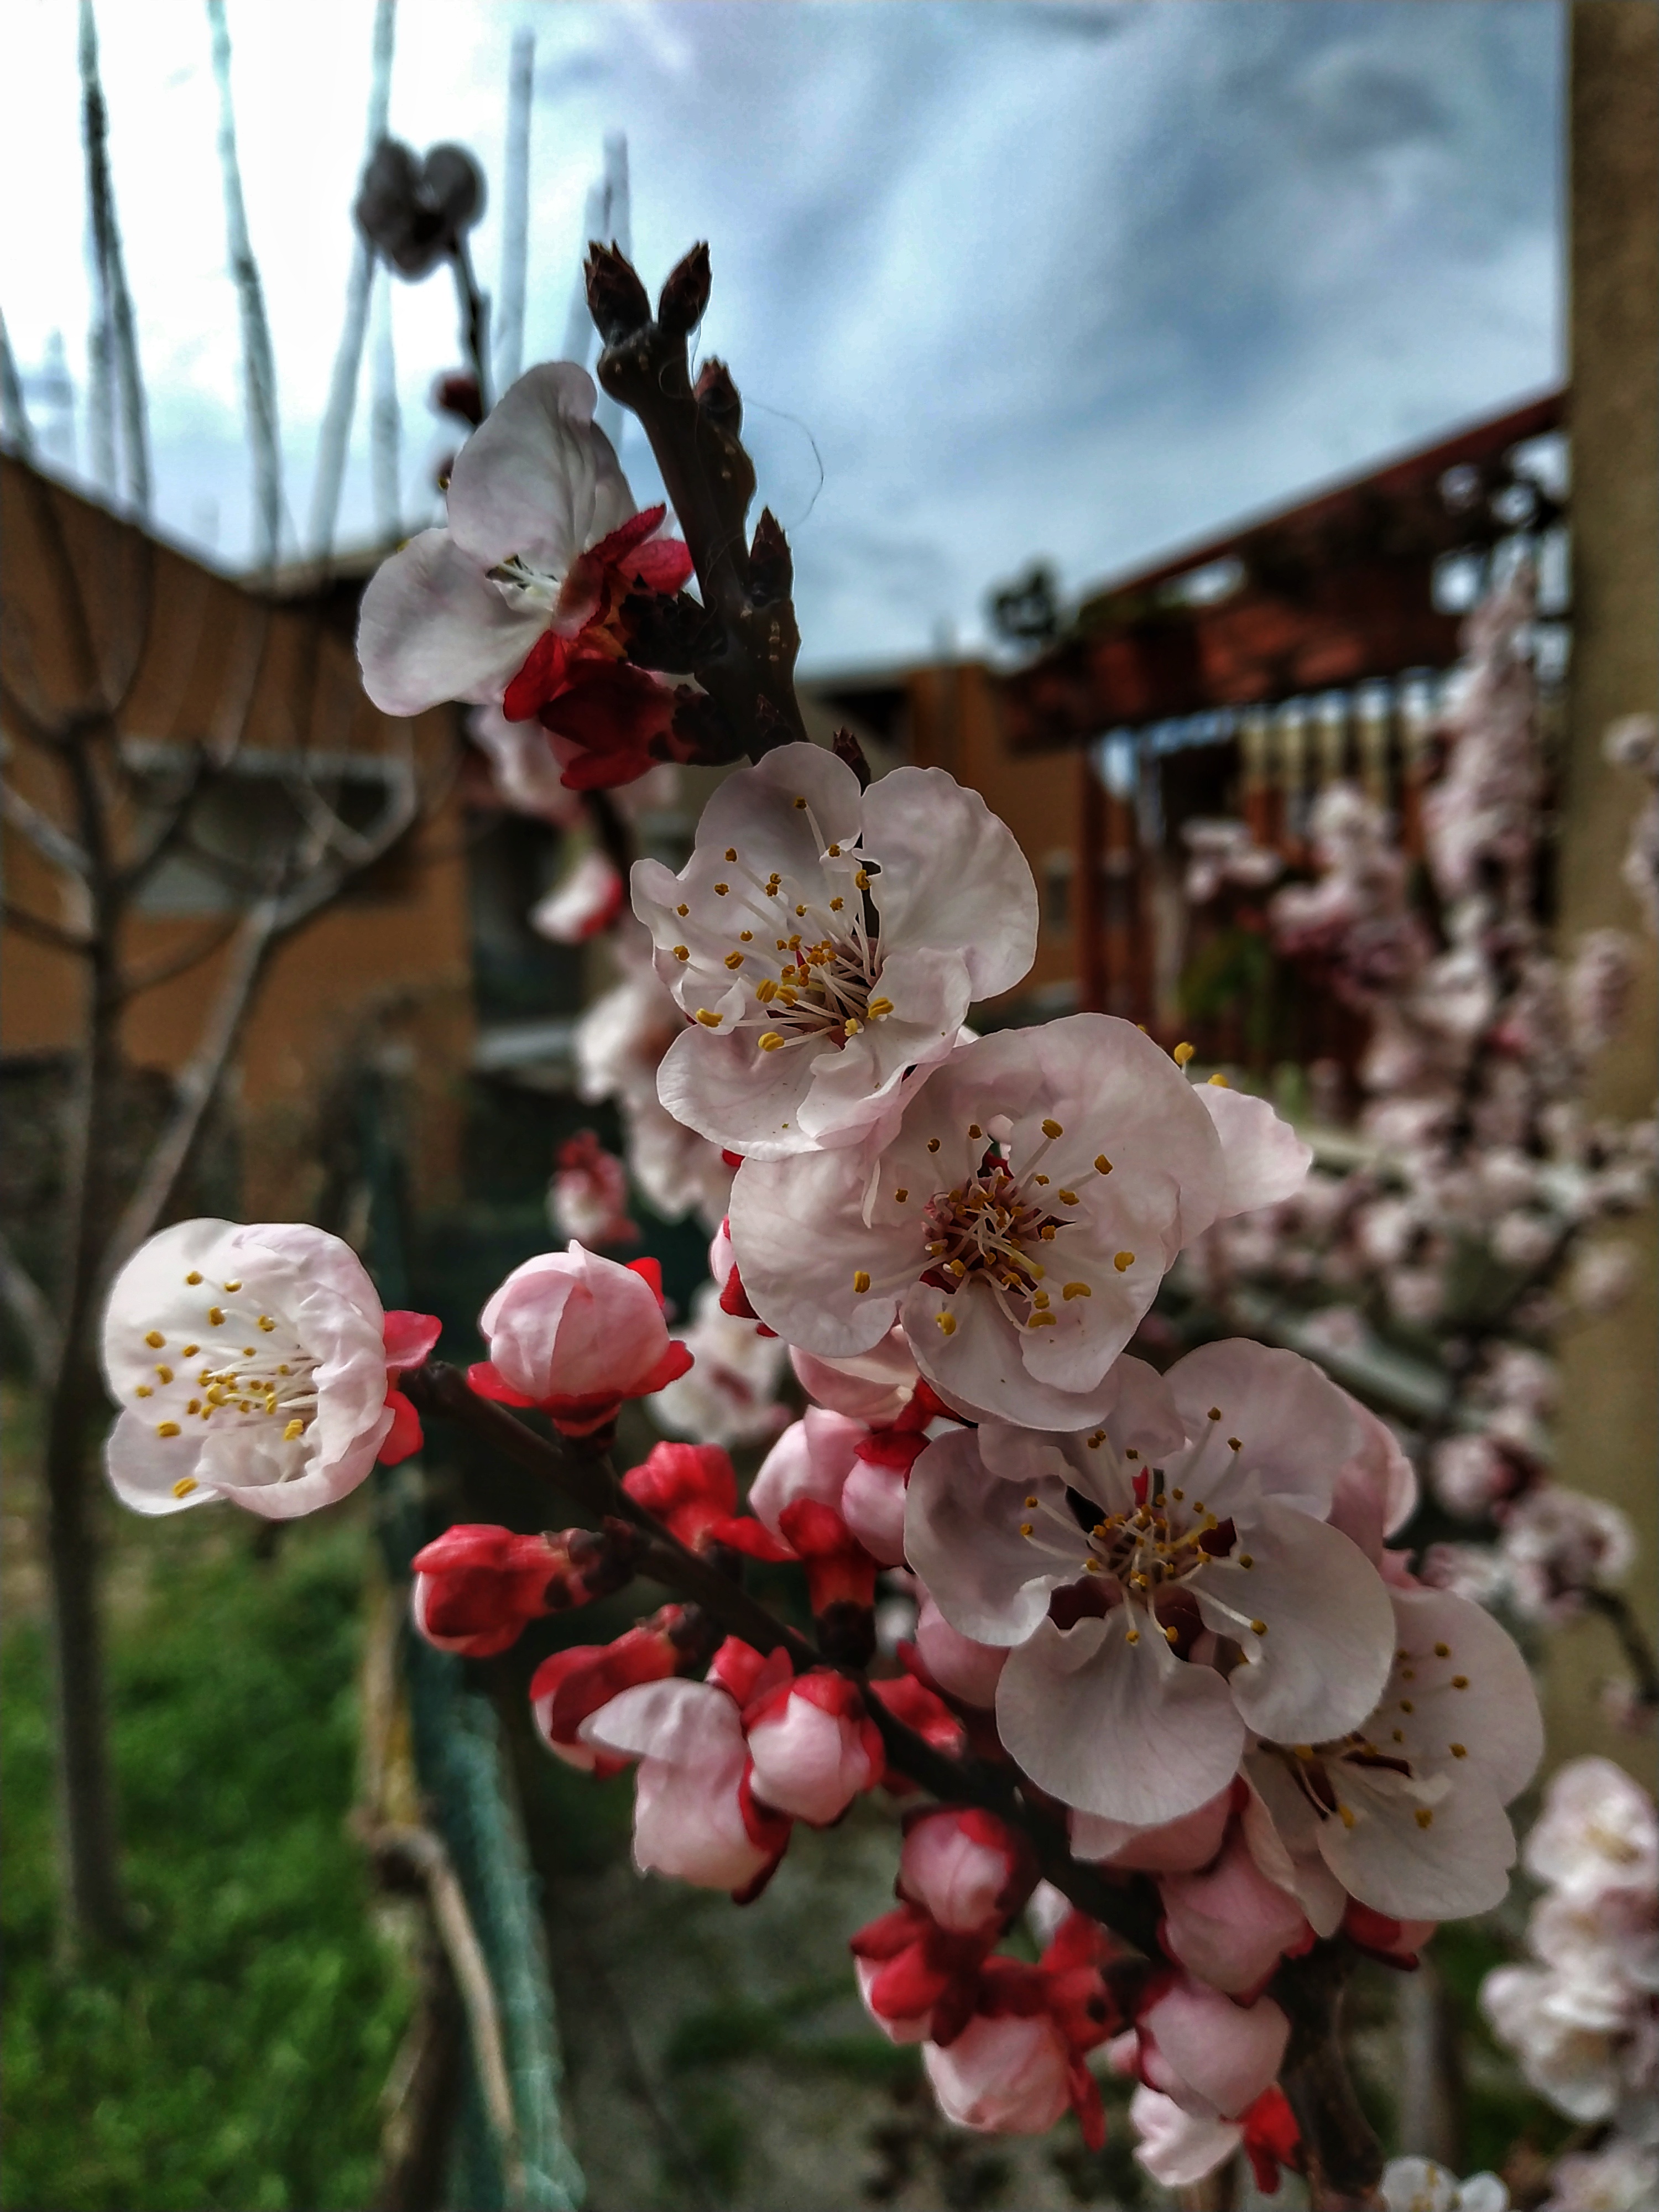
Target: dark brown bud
456,392
717,396
669,634
771,571
413,210
617,300
685,296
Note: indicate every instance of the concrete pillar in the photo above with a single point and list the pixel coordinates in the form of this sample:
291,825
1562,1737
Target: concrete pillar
1608,1438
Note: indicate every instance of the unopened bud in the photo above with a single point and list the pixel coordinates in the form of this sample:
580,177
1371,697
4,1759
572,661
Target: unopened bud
771,571
684,296
617,300
717,396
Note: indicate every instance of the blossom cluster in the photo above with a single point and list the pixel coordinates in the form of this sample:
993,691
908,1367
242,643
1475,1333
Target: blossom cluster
1584,2021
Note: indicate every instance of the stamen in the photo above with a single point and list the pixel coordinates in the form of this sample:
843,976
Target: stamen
860,1280
1123,1261
1052,1128
771,1041
947,1324
155,1340
192,1279
710,1021
167,1428
1076,1291
185,1484
1102,1165
1182,1054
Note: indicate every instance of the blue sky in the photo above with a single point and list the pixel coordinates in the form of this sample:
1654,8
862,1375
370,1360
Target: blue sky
998,278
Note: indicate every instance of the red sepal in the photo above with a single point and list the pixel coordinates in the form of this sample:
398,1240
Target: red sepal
409,1338
486,1381
649,1271
1272,2138
753,1538
917,1705
403,1438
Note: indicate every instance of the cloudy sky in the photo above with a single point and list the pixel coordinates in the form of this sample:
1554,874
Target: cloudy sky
997,278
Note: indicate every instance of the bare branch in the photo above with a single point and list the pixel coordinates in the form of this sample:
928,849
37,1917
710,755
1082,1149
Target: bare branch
47,932
134,982
32,1311
54,845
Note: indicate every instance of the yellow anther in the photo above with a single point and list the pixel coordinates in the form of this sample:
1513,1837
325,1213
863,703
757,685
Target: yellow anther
974,1129
862,880
1028,1527
1172,1636
947,1324
731,852
1245,1559
1459,1681
720,890
1039,1179
1344,1816
144,1391
1220,1081
1215,1413
1032,1499
1182,1054
745,937
899,1196
1042,1321
1047,1234
1423,1817
155,1340
1076,1291
1098,1437
769,1041
1052,1128
878,1007
852,1025
681,911
233,1286
1235,1444
167,1428
1258,1628
682,952
192,1279
958,1268
1407,1706
860,1279
800,910
1123,1261
734,960
216,1317
1460,1751
191,1350
933,1144
1040,1300
1442,1651
710,1021
164,1374
1066,1197
1133,1636
185,1484
194,1406
836,904
292,1429
800,806
1177,1494
766,990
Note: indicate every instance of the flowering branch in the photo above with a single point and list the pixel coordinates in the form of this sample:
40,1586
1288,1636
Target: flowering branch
586,1477
744,656
1343,2161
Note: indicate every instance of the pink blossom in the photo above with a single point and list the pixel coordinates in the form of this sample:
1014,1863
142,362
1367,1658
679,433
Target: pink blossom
1213,2056
692,1819
1178,2147
1470,1473
457,612
585,901
965,1869
527,765
828,942
918,1981
254,1363
1175,1846
576,1335
1557,1544
1005,2073
587,1199
1597,1831
1040,1185
730,1395
1228,1924
814,1747
960,1666
874,1386
1621,2177
1110,1699
1418,2185
566,1688
1408,1812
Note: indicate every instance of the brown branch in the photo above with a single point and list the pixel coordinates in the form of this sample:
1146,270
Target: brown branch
1343,2161
694,432
1615,1608
132,983
585,1477
48,932
32,1311
55,846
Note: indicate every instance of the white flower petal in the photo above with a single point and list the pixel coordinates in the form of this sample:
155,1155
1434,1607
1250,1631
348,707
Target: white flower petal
526,481
961,1535
432,627
952,875
1266,1160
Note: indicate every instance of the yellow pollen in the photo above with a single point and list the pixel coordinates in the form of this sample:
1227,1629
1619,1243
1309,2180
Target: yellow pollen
233,1286
1047,1233
1178,1495
1039,1179
720,890
862,880
899,1197
745,937
191,1350
1399,1736
766,990
958,1268
1245,1559
167,1428
1076,1291
1220,1081
947,1324
1028,1527
164,1374
1042,1321
1133,1636
1459,1681
1258,1628
1407,1706
1052,1128
836,904
681,911
731,852
144,1391
1039,1299
192,1279
248,1351
769,1041
185,1484
292,1429
933,1144
1099,1438
1215,1413
734,959
860,1280
710,1021
283,1370
216,1317
1172,1636
800,806
1123,1261
1066,1197
974,1129
1460,1751
851,1026
1102,1165
1423,1816
155,1340
1347,1816
266,1323
800,910
1182,1054
1442,1651
878,1007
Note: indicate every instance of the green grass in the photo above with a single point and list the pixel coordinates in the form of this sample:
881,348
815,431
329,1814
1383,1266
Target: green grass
234,2057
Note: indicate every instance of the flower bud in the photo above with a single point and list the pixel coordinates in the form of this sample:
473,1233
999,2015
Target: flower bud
685,295
814,1747
966,1869
476,1585
566,1688
690,1486
618,302
576,1335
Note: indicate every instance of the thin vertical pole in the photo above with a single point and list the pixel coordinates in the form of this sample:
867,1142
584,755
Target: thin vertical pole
515,211
258,362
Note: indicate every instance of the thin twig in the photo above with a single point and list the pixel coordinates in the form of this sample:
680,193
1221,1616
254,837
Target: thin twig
48,932
133,982
259,362
31,1312
55,846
